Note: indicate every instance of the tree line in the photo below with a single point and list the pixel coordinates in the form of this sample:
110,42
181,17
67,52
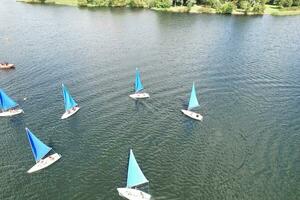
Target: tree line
220,6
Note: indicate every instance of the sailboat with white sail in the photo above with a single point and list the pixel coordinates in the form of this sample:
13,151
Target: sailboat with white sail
138,87
135,179
8,107
193,103
71,107
40,153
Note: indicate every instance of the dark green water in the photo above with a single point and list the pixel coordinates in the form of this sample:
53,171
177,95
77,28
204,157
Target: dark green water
246,70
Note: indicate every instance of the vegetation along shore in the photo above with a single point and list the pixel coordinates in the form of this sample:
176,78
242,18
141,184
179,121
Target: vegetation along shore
234,7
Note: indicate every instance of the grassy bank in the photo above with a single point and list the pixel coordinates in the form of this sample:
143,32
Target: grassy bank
277,11
269,9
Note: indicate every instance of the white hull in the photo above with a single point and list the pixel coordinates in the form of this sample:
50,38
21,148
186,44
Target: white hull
43,163
70,112
193,115
7,66
139,95
133,194
10,113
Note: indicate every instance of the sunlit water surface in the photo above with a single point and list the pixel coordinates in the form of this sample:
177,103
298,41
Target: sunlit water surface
246,71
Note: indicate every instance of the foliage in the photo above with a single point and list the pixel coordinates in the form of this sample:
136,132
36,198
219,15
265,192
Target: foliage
118,3
284,3
162,4
214,3
190,3
82,2
226,8
296,3
274,7
137,3
258,8
102,3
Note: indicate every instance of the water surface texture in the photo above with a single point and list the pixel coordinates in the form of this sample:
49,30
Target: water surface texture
246,71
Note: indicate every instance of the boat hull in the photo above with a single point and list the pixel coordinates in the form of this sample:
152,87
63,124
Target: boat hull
10,113
133,194
192,115
139,95
7,66
43,163
70,112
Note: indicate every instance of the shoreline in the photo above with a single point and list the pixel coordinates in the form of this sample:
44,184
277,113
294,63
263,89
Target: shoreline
196,9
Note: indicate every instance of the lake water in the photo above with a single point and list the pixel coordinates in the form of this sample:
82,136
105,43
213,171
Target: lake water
246,71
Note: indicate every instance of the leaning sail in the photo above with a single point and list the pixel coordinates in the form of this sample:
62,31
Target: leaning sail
69,101
193,99
6,102
135,175
39,149
138,83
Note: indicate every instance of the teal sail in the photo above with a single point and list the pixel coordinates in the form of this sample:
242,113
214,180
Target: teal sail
193,99
138,86
69,101
135,175
39,149
6,102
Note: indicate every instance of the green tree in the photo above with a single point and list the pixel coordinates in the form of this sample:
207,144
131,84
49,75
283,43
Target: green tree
81,3
226,8
214,3
162,3
284,3
259,8
296,3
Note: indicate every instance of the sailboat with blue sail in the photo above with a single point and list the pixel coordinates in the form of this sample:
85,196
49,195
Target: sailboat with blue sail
71,107
193,103
138,87
135,179
8,107
40,153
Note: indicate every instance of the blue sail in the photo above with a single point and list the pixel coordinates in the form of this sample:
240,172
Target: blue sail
193,99
135,175
69,101
39,149
138,86
6,102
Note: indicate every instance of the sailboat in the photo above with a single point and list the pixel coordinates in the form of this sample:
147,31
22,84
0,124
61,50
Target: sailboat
193,103
135,178
71,107
138,87
8,107
40,153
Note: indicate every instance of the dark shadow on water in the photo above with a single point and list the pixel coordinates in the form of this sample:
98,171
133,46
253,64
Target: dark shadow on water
188,124
17,122
139,105
51,143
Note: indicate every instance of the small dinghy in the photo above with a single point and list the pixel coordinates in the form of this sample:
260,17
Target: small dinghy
193,103
6,66
8,107
71,107
135,178
41,153
138,86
